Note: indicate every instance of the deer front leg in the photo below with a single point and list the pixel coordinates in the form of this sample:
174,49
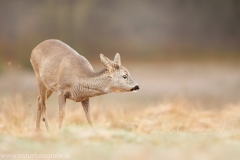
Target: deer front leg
62,102
87,111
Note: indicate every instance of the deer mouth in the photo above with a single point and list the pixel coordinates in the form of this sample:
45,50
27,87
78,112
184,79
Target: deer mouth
135,88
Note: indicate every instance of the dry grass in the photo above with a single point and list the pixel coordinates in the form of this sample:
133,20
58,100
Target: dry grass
169,130
177,115
192,113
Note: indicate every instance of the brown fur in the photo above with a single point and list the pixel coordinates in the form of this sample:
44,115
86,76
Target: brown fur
59,68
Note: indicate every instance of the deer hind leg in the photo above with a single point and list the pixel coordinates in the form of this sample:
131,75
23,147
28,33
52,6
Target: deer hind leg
44,109
42,105
62,102
39,114
87,111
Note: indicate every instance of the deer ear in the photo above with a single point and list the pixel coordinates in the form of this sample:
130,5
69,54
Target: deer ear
117,59
107,62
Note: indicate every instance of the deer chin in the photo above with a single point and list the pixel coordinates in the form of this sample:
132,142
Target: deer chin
121,91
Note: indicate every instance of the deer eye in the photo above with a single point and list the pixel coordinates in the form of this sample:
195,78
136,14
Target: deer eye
125,76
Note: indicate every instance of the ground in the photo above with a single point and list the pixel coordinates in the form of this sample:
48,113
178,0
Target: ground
182,111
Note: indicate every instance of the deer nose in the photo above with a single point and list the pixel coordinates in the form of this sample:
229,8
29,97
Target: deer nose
135,88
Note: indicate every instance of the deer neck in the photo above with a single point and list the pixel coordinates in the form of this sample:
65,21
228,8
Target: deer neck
100,81
94,85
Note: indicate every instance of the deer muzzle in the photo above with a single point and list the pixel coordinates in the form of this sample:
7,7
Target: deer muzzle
135,88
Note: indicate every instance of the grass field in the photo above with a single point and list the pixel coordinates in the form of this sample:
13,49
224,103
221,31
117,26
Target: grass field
182,111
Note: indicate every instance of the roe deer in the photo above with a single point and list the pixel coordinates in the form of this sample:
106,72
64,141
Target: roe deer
59,68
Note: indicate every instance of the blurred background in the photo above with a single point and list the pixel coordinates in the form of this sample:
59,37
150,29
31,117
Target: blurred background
173,48
184,54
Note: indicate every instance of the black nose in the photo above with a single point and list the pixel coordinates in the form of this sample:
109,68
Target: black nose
135,88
